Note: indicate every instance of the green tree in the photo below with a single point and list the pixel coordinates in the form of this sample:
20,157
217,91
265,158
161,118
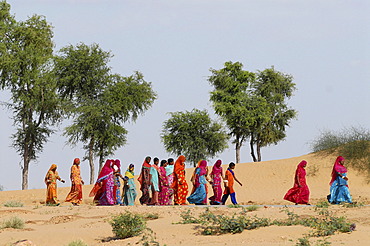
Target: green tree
99,102
252,105
193,134
26,49
275,87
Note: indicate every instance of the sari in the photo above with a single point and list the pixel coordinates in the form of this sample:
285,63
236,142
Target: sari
179,185
164,194
217,179
144,180
169,172
199,196
103,188
75,195
339,191
117,182
154,187
299,193
51,183
129,188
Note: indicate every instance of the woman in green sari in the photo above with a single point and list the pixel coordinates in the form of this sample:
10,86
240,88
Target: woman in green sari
129,188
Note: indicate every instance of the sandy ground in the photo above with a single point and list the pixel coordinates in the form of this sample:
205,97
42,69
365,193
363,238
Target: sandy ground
264,183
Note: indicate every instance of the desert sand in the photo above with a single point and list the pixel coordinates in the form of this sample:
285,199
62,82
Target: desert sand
264,184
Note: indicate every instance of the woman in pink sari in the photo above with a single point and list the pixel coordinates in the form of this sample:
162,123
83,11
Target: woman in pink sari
217,178
164,193
103,189
300,193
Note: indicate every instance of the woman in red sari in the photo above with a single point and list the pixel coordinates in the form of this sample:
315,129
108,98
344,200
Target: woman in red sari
300,193
75,195
179,185
103,188
217,178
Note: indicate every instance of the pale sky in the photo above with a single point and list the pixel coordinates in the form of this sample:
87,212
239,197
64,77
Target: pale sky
324,45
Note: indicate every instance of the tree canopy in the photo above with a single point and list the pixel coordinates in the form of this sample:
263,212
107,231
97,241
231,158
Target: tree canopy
194,135
100,102
26,49
252,105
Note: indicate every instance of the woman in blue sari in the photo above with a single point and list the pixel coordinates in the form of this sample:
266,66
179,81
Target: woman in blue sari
199,179
129,188
339,191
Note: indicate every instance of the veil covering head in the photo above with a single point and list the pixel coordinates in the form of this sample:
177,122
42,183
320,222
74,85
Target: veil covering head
217,168
337,168
180,164
107,168
52,167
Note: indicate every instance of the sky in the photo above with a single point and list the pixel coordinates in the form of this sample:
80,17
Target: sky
324,45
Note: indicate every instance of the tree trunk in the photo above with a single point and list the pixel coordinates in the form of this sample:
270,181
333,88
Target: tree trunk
91,161
237,151
101,161
252,150
26,163
259,152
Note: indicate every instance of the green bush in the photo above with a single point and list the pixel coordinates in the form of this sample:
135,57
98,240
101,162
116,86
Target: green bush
351,143
127,225
13,204
77,243
13,222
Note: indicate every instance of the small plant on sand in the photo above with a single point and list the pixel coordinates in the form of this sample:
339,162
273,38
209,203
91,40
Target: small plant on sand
188,218
323,204
234,206
77,243
14,222
151,216
304,241
127,225
352,205
13,204
252,208
312,170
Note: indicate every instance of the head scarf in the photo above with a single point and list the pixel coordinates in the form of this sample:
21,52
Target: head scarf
179,164
300,168
203,167
130,174
217,168
50,169
118,164
107,169
337,168
145,164
76,161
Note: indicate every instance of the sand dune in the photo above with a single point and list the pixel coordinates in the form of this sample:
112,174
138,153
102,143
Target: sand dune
263,183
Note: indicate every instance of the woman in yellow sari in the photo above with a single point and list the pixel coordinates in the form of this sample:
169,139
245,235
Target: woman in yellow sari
51,184
75,195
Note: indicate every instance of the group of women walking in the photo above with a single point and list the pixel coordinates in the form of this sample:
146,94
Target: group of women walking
339,191
164,183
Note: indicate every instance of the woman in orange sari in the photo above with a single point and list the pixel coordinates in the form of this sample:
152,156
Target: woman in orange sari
179,185
75,195
51,184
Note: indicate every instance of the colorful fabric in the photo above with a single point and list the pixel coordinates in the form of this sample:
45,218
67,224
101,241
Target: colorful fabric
164,194
103,190
229,176
75,195
299,193
179,185
339,191
117,190
337,168
129,188
155,179
144,180
199,196
170,176
217,181
51,178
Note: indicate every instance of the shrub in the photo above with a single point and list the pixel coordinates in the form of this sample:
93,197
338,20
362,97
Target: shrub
127,225
13,222
323,204
151,216
352,143
234,206
252,208
77,243
188,218
13,204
